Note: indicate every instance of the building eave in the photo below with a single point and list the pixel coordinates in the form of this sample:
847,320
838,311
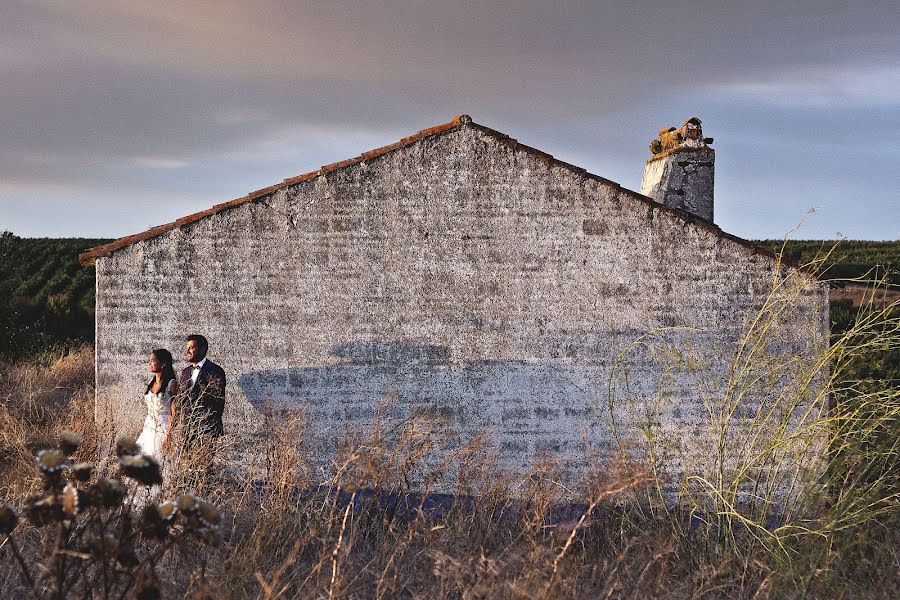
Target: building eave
90,256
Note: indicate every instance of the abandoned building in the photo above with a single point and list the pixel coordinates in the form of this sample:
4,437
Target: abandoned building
461,274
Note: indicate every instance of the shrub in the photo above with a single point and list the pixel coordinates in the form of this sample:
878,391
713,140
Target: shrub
99,538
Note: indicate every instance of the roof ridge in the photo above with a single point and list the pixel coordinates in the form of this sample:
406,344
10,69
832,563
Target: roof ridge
90,256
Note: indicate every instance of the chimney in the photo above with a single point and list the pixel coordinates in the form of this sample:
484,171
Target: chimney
680,172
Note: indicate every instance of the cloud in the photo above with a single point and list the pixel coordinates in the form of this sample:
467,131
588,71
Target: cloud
841,86
160,162
210,99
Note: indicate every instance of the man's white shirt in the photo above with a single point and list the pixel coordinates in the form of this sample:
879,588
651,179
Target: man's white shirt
196,372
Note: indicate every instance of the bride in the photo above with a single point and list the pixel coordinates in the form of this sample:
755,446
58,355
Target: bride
154,438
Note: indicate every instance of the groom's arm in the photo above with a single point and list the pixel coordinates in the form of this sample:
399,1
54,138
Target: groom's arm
217,384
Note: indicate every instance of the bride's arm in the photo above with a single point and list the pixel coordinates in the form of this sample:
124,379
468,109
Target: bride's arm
173,392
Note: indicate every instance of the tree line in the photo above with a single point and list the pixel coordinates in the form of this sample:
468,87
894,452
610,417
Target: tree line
845,259
46,296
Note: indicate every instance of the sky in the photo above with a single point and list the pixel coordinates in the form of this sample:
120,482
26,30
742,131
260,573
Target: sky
118,115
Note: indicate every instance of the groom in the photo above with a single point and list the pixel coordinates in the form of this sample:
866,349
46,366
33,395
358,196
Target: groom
202,392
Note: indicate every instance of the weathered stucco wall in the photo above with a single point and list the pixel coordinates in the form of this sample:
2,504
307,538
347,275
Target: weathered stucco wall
456,276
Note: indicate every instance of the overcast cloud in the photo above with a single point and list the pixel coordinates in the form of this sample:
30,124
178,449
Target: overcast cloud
116,115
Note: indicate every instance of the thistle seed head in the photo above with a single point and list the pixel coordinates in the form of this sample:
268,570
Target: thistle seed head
126,446
51,462
187,503
73,501
209,514
143,469
43,510
70,442
82,471
109,492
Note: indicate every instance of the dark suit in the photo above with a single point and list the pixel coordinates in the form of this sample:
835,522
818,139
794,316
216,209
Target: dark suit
201,406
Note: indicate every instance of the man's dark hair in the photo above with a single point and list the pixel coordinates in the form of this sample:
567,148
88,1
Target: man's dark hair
201,342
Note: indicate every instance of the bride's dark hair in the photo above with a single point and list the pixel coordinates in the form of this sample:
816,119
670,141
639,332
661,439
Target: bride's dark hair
168,371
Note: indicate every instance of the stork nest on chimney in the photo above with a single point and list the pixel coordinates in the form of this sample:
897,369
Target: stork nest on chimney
689,135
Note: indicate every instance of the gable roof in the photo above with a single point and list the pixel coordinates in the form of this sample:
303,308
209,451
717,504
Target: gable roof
90,256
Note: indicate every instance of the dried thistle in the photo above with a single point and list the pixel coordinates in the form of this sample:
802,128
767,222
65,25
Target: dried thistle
101,545
209,514
73,501
82,471
126,446
147,587
126,555
108,492
167,511
51,462
143,469
156,519
43,510
9,518
70,442
189,506
187,503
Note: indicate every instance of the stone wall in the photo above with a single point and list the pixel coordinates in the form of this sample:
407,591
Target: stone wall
457,276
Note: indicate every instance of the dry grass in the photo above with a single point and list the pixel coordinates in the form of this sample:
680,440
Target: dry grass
288,534
38,399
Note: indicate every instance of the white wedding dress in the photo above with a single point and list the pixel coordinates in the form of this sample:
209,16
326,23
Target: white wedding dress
159,412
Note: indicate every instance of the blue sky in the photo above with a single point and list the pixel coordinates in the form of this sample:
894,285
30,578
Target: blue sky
117,115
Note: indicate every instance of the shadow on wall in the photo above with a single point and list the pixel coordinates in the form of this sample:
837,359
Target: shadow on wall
529,407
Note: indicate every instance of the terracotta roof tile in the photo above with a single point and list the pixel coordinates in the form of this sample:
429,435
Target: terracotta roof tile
307,176
90,256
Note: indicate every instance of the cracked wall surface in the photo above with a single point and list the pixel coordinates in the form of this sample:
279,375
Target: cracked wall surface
455,277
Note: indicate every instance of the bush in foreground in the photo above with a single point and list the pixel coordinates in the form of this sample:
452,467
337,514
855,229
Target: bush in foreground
100,537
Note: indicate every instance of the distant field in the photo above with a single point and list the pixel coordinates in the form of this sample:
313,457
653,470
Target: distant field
848,260
47,297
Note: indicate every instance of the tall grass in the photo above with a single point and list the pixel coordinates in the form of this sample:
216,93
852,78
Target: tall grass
797,496
805,462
